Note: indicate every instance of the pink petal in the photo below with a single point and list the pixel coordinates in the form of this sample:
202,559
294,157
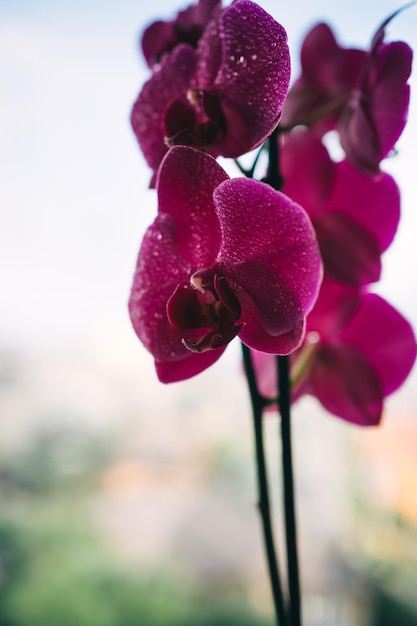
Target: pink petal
359,139
159,270
350,253
308,171
346,384
391,94
266,373
374,204
375,118
335,306
269,249
329,72
187,180
254,335
331,68
244,59
385,338
167,84
159,37
192,364
162,36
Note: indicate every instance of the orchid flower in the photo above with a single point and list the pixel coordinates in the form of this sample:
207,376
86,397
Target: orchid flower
358,349
161,37
355,217
329,72
226,96
363,95
224,257
374,118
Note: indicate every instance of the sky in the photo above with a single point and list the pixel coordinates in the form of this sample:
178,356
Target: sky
74,200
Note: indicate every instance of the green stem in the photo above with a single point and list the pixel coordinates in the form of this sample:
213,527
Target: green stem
258,404
288,479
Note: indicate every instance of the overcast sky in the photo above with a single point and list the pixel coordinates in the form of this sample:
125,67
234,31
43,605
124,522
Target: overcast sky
73,192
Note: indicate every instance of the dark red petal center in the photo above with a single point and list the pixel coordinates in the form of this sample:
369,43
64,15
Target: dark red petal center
205,317
199,122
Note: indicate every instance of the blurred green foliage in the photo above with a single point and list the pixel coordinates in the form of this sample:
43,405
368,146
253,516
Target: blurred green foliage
54,569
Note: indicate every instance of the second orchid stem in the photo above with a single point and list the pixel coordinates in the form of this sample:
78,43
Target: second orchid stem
283,366
263,491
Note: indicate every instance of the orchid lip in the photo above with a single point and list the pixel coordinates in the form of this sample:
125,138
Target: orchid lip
198,122
205,316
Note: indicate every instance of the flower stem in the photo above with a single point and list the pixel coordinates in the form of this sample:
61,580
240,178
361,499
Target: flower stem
257,402
273,175
249,172
290,520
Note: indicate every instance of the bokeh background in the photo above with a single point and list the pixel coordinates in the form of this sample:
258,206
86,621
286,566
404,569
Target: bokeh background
124,502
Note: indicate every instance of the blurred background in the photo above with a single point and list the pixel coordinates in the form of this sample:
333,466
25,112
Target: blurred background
122,501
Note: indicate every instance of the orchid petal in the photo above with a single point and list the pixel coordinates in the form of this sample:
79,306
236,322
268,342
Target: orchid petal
167,84
391,94
159,270
254,335
385,338
358,138
346,384
269,249
334,308
162,36
330,67
350,253
266,373
374,204
158,37
375,118
186,184
308,171
192,364
248,71
329,72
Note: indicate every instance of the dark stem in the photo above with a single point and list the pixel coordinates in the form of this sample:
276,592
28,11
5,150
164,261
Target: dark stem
258,404
288,479
250,172
273,176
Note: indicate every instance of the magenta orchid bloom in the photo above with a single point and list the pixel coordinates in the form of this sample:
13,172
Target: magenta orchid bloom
161,37
224,257
225,97
355,217
358,350
374,118
364,96
329,73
